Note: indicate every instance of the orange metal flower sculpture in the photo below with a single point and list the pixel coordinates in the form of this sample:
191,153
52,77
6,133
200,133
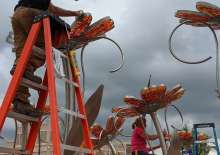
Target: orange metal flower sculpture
186,137
152,99
105,136
207,15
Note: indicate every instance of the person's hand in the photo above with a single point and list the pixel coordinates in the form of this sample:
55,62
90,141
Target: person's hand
79,13
76,13
166,135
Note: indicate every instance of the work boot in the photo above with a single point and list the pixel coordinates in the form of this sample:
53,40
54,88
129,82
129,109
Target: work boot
28,75
26,109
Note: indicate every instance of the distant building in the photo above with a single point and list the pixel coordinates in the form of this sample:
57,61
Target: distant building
121,149
46,146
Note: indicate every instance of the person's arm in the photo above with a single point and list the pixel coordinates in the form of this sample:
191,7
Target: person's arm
147,136
57,11
151,137
154,137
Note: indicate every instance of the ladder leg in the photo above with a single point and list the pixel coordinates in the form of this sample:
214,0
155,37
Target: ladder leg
35,126
216,141
16,78
195,146
81,105
51,88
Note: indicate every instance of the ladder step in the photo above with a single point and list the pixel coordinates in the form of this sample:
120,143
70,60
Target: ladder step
21,117
30,84
204,125
69,81
12,151
70,112
75,149
55,50
59,76
200,142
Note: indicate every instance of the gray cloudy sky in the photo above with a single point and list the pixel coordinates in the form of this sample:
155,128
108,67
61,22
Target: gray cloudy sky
142,29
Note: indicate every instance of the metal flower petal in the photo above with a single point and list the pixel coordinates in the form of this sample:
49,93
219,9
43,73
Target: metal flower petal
110,124
173,95
125,112
207,8
80,25
96,130
192,16
119,121
133,101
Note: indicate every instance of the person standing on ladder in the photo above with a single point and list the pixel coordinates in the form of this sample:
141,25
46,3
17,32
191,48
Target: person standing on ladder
22,20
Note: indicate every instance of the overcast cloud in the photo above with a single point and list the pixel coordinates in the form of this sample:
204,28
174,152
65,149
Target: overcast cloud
142,29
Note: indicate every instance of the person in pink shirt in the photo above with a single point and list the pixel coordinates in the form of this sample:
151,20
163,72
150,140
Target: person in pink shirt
139,137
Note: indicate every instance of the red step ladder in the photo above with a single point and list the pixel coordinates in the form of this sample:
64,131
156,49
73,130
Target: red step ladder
48,88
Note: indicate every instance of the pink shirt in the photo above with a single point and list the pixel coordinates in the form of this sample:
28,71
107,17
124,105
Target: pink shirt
138,143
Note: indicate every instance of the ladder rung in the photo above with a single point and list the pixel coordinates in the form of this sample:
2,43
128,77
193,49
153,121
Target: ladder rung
69,81
60,53
204,125
200,142
61,109
33,85
75,149
22,117
12,151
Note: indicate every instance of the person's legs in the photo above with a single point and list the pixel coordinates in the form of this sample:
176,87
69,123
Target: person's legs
29,14
142,153
135,153
21,24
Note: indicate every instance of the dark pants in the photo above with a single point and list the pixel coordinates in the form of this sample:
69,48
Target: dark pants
22,20
140,153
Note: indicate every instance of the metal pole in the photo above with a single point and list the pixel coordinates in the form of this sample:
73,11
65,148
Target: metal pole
159,132
111,146
216,142
24,134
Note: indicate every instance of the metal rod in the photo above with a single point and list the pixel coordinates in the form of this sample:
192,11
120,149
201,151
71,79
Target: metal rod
111,146
159,132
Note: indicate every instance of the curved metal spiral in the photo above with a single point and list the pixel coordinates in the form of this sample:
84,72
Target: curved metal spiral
203,60
185,61
165,117
111,71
